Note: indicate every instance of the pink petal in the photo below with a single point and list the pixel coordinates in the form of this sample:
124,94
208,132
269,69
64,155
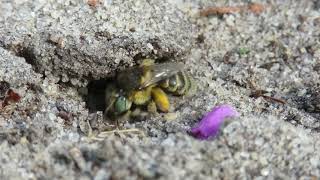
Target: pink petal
210,124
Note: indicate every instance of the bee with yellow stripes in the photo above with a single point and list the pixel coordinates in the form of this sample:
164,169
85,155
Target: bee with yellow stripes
146,86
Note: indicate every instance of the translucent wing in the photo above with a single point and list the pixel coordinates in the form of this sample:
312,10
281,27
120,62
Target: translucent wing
143,76
160,72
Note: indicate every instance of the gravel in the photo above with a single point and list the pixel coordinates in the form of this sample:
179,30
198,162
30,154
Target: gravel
51,49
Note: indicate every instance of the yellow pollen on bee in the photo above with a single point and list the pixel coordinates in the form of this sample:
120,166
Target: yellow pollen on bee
161,99
141,97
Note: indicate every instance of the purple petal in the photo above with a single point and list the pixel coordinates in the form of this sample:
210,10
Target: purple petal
210,123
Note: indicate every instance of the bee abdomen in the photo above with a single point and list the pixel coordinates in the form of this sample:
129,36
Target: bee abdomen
178,84
184,84
192,87
169,84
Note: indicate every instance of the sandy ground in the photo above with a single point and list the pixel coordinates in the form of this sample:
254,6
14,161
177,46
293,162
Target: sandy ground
50,50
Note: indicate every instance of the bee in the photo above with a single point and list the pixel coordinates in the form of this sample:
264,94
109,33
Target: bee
146,86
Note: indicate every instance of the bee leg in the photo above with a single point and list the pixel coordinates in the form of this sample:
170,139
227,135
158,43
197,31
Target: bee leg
161,99
124,118
138,115
152,107
136,112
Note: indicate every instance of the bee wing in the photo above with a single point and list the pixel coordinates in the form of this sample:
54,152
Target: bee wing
160,72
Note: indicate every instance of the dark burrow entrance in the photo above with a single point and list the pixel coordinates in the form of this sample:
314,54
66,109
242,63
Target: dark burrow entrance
95,96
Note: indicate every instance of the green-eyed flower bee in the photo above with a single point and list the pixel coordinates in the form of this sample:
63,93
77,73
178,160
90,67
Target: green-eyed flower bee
145,86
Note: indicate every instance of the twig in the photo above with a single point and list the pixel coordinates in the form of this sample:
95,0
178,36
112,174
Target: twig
274,99
261,93
93,3
219,10
255,8
102,135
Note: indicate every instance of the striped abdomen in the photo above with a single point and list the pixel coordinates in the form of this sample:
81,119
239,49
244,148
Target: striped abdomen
179,84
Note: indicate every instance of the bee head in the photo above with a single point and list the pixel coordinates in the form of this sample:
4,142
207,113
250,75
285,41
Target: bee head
122,105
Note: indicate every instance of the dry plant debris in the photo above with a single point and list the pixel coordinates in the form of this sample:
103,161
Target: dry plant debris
255,8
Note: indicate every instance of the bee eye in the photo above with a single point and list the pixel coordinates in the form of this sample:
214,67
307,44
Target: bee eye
122,105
